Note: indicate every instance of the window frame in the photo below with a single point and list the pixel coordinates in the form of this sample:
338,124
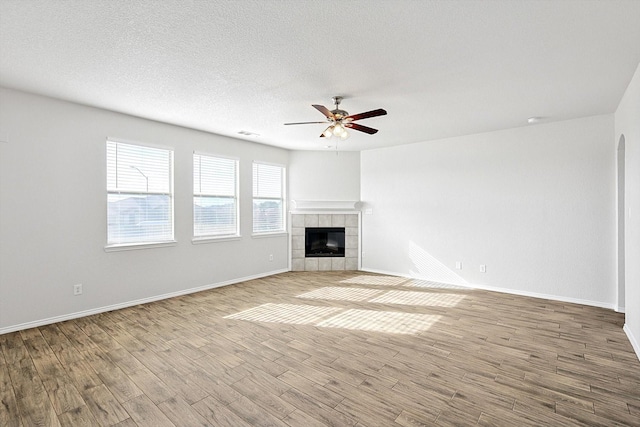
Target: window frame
142,244
283,188
222,236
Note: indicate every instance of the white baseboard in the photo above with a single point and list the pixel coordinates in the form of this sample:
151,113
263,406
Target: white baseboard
632,340
506,290
546,296
84,313
409,276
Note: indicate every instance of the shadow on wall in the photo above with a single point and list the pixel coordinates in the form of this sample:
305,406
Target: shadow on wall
429,268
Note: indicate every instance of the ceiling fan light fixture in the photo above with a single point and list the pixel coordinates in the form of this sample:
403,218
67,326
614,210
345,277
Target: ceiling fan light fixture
338,129
327,132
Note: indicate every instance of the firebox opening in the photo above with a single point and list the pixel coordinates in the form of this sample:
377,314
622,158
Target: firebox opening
324,242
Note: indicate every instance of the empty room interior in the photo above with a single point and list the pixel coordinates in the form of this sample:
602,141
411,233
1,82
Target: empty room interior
319,213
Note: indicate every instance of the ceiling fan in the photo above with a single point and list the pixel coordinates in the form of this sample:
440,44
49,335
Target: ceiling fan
339,120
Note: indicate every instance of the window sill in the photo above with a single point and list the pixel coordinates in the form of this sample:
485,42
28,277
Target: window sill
211,239
136,246
269,234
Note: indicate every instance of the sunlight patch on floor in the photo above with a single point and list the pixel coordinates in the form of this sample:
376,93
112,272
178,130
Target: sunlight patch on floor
375,280
343,294
419,298
285,313
334,317
428,284
381,321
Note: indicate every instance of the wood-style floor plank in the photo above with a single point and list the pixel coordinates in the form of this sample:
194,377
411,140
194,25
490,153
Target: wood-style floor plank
9,413
326,349
218,414
78,417
104,406
144,411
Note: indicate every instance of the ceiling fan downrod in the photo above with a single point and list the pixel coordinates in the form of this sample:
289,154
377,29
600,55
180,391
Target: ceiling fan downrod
338,114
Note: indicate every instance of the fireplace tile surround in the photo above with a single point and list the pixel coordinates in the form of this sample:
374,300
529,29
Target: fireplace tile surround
349,220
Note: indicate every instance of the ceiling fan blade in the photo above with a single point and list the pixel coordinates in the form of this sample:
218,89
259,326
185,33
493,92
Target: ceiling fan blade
361,128
368,114
304,123
324,110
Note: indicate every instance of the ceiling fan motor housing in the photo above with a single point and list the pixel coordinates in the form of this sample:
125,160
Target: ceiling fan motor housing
337,112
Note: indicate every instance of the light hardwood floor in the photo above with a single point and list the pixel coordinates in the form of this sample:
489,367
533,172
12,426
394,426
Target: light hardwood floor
331,348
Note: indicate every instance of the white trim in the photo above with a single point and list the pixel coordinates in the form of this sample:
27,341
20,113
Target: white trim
632,340
325,212
303,206
213,239
289,243
359,240
209,154
619,309
135,246
409,276
91,312
506,290
260,162
270,234
545,296
141,144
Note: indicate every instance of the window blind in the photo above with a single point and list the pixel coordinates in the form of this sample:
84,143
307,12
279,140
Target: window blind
139,194
268,198
215,203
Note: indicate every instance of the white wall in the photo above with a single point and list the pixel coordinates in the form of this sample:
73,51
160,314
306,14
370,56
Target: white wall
535,204
627,123
53,214
324,175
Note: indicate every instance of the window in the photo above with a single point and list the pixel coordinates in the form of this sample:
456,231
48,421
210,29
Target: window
139,194
268,198
215,200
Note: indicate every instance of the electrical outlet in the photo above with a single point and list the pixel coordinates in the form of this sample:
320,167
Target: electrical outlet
459,265
270,257
483,268
77,289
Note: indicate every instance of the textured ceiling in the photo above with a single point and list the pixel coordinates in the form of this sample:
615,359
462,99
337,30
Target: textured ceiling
440,68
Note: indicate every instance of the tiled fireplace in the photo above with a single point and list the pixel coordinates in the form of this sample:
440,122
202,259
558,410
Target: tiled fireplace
314,216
